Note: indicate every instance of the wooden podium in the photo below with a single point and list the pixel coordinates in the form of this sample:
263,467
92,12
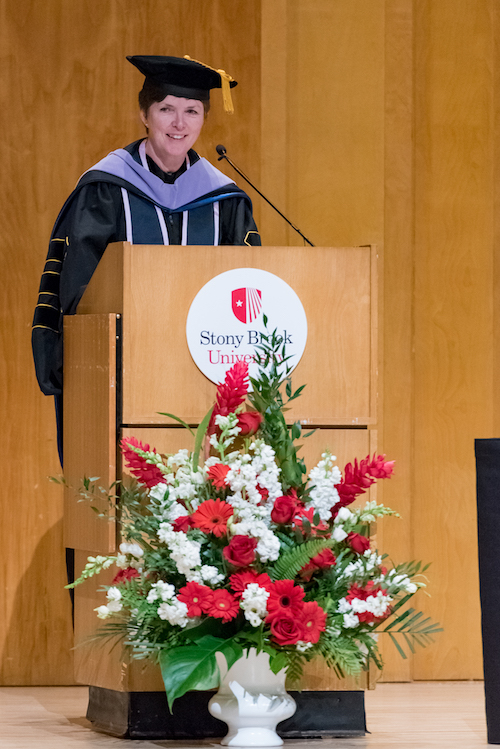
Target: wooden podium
126,359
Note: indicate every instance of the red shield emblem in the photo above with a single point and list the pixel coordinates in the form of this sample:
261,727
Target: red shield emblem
246,304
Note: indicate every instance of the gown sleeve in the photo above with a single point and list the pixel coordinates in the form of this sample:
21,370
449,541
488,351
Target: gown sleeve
237,223
92,218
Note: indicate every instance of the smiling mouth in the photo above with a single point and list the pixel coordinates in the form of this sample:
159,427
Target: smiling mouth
176,137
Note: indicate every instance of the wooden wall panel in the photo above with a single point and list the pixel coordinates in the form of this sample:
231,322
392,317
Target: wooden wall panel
453,313
396,291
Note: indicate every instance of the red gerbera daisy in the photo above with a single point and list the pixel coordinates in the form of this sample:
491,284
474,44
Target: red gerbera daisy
313,620
223,605
240,580
284,596
147,473
217,475
212,516
196,597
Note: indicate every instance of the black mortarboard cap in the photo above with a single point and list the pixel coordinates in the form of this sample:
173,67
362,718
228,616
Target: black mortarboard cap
182,76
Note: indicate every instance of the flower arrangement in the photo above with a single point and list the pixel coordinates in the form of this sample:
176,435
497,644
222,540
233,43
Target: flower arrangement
240,548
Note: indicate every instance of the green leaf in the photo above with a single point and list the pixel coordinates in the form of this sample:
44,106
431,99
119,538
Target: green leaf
200,436
194,666
278,661
176,418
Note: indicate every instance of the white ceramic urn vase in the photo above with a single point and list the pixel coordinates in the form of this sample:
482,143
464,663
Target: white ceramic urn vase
251,700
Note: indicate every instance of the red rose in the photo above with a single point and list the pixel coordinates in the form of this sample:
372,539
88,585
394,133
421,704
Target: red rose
241,551
183,523
249,422
287,629
321,561
358,543
123,576
283,510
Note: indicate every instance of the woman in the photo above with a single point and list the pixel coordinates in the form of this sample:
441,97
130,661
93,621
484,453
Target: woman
155,191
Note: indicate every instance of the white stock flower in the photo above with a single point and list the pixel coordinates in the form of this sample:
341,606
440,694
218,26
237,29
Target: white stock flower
102,612
339,534
323,495
343,515
158,491
303,646
211,575
174,612
254,603
161,590
133,549
350,620
179,459
113,595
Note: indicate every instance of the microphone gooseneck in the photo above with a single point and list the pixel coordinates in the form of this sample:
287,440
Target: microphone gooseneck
221,150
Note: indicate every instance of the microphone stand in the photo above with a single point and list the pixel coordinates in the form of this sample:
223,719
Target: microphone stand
223,155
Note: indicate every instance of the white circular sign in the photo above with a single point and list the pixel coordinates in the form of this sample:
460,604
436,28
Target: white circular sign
225,321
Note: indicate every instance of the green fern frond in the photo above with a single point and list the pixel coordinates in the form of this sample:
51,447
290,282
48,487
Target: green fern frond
292,561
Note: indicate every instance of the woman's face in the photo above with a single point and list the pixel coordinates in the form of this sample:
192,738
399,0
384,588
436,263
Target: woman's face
174,125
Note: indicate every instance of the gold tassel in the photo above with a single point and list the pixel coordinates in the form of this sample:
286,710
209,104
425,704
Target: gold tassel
225,85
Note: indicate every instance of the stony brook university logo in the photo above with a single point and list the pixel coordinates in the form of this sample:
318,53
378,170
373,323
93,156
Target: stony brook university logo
225,322
246,304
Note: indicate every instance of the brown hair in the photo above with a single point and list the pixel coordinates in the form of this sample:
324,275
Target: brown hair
152,92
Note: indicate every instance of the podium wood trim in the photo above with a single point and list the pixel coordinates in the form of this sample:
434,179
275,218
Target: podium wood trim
89,428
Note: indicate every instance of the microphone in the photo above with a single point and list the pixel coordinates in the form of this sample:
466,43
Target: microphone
221,150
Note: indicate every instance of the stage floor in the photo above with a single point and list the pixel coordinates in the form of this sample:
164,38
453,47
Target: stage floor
420,715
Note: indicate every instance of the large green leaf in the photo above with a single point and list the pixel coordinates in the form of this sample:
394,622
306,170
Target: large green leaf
194,666
176,418
200,436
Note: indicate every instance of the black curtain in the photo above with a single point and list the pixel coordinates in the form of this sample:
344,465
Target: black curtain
488,527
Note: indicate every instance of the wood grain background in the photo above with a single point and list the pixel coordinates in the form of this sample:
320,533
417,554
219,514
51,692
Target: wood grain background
366,122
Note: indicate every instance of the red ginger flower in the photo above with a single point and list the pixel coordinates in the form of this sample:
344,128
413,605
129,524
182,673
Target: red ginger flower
146,473
196,597
240,580
358,478
222,605
313,621
231,393
284,598
212,516
217,475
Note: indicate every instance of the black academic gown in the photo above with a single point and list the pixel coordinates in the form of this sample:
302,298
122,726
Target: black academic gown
93,217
